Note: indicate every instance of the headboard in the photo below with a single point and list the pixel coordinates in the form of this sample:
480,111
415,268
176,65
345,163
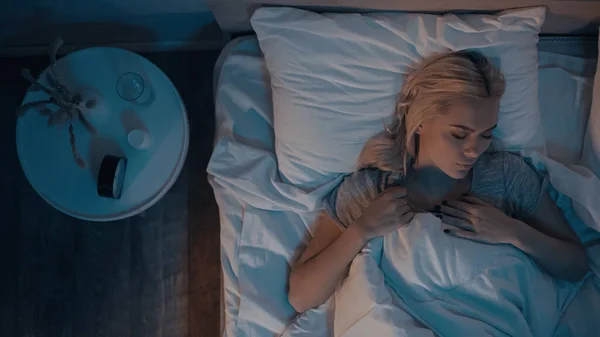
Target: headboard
564,17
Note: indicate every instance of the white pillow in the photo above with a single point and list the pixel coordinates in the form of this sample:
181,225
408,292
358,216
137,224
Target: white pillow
335,77
590,156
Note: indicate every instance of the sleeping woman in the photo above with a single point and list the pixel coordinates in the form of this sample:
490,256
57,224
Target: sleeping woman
435,157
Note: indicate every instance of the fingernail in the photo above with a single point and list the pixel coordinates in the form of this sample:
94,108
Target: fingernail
446,231
436,208
444,202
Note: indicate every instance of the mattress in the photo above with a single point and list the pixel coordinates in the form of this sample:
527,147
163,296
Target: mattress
260,237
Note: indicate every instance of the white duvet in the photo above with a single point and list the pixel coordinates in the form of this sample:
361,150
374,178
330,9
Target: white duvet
414,282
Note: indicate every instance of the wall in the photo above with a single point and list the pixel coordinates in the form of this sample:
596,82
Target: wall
164,24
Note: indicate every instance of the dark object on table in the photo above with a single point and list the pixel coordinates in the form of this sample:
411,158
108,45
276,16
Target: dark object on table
111,176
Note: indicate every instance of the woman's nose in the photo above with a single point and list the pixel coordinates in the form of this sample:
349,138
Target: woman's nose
470,152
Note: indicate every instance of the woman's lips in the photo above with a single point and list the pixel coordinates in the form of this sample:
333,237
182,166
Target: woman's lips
464,166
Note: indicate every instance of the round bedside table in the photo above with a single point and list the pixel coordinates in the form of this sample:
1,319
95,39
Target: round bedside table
142,119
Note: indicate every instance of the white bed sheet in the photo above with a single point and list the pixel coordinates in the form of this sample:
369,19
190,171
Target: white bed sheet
253,271
260,233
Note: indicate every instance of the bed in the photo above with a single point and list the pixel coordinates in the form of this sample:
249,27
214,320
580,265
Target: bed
263,230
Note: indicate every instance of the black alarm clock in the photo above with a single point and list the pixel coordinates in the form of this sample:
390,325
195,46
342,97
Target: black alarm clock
111,176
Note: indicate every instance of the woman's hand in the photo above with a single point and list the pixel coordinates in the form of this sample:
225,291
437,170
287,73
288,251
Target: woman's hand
389,211
477,220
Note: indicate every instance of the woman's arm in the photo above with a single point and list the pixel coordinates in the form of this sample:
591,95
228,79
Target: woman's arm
316,274
562,259
323,263
551,242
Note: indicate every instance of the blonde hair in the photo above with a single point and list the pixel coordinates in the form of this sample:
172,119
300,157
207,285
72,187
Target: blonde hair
428,90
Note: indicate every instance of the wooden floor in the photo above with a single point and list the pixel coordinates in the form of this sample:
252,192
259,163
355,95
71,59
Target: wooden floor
156,274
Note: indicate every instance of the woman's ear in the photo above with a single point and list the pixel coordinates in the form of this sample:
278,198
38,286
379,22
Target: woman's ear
419,129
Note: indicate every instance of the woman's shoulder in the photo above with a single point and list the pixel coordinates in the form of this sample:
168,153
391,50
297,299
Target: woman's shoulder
503,170
490,171
511,175
371,179
493,158
501,161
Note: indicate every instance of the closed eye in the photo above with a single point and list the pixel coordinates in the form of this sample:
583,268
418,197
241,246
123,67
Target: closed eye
468,130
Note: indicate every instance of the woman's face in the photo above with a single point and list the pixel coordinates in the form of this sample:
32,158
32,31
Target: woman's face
455,139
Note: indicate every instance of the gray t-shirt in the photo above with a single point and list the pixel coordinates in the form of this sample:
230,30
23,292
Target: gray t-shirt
501,179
